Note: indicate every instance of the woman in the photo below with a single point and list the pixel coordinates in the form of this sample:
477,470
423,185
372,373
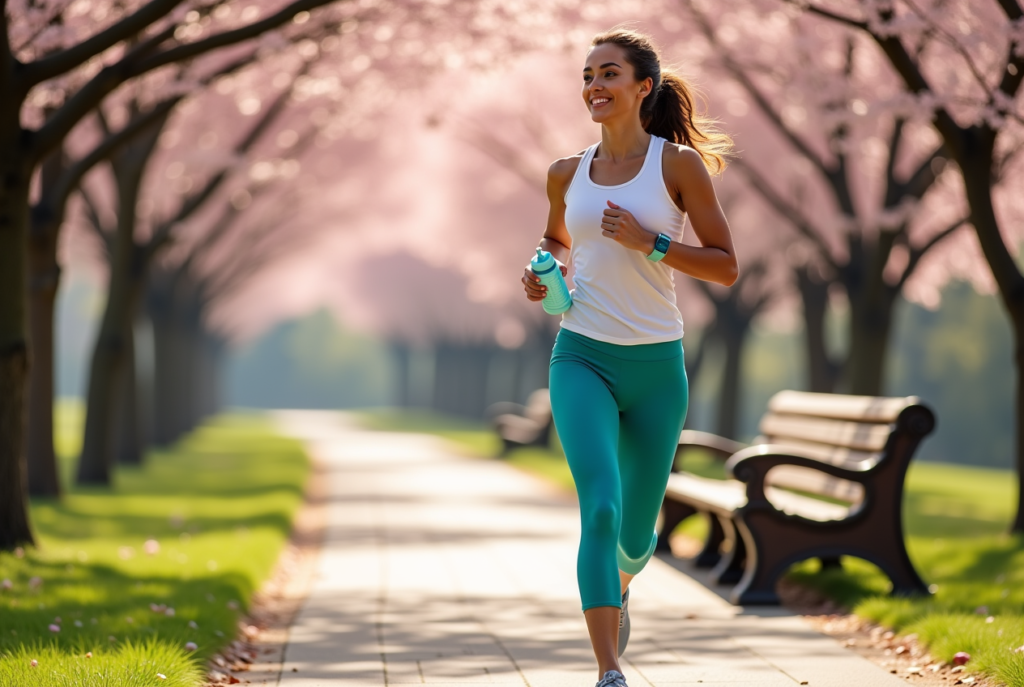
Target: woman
618,383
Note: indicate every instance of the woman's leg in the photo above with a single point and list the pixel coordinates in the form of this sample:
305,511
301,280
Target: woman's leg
587,420
654,397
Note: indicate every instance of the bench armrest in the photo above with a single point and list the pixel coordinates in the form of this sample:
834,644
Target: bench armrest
505,408
720,447
751,465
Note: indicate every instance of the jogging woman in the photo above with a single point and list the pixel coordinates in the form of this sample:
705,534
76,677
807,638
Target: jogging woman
618,384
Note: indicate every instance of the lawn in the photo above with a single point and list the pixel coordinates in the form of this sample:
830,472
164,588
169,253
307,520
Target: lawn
125,580
956,519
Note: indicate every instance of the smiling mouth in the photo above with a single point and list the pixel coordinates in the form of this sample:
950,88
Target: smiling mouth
597,102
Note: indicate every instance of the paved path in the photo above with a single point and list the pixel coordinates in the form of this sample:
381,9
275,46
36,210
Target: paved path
447,570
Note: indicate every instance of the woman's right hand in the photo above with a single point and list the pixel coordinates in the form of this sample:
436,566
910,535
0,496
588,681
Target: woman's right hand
535,291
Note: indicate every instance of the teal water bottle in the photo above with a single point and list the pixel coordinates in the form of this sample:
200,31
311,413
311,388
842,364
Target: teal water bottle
558,299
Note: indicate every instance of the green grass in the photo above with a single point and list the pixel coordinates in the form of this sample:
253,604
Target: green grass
955,518
218,505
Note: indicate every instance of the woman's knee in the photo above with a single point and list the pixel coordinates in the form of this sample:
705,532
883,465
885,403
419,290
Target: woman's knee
602,518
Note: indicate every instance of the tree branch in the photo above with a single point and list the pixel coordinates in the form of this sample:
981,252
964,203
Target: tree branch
907,68
110,144
87,99
737,72
64,61
162,233
917,253
102,232
136,64
221,40
787,210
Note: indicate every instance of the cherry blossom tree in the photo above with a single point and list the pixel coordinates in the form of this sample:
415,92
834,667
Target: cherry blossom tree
967,84
97,47
829,108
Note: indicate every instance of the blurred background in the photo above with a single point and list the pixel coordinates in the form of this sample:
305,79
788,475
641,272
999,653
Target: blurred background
342,223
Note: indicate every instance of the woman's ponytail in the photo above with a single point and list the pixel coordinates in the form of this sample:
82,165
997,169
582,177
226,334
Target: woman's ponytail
670,111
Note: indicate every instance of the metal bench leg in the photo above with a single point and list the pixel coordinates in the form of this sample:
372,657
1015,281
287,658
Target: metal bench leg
672,513
831,563
710,554
897,565
757,588
734,557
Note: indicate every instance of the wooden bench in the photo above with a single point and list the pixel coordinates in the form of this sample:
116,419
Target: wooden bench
824,480
520,425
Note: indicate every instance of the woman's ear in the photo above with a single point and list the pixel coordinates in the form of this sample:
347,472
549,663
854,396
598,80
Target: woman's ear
645,87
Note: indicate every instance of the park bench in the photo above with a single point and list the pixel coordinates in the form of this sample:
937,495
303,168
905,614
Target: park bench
824,479
523,425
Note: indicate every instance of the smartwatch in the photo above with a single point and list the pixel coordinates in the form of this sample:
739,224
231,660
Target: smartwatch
661,245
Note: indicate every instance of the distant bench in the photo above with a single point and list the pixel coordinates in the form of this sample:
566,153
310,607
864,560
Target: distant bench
523,425
824,479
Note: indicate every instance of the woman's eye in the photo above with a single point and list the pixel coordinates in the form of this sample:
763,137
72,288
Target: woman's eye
607,74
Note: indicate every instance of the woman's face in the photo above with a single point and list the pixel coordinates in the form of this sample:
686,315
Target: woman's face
610,89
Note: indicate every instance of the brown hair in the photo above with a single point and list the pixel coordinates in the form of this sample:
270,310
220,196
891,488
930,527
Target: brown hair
669,111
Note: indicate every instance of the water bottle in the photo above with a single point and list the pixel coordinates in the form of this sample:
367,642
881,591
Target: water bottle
558,299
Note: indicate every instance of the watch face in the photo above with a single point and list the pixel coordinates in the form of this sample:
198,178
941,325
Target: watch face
662,243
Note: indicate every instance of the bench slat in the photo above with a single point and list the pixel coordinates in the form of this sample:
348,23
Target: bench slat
855,435
725,496
815,482
841,456
839,407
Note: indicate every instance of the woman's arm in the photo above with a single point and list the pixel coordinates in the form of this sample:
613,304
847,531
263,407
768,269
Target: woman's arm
556,238
715,259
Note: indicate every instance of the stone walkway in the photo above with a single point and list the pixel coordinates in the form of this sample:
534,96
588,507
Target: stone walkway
447,570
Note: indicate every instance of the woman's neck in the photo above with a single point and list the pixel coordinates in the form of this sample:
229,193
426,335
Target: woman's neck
623,140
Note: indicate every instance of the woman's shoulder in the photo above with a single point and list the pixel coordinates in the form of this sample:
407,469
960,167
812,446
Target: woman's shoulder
681,155
681,162
562,170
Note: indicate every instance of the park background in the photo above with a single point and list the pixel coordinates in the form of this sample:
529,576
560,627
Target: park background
337,216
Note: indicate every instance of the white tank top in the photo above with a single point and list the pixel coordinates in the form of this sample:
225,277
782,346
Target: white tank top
620,296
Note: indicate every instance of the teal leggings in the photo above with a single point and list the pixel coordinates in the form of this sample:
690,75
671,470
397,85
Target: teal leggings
618,411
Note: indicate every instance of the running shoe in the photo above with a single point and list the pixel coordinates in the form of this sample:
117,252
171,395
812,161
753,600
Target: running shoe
624,622
612,678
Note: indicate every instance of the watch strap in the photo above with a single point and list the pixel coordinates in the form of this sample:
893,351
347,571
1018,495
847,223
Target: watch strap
661,245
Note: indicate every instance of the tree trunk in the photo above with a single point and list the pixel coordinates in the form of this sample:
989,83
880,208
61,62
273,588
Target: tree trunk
733,335
822,371
976,167
15,529
43,474
870,328
403,370
128,445
111,353
43,283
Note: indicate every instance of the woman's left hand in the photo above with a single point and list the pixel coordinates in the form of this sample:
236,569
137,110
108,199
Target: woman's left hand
619,225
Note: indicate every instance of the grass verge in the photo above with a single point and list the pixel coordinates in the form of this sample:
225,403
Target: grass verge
167,557
955,517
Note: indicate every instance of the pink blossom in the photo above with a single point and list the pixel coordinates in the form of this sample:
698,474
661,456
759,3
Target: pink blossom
6,584
35,582
151,547
33,663
190,646
54,627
